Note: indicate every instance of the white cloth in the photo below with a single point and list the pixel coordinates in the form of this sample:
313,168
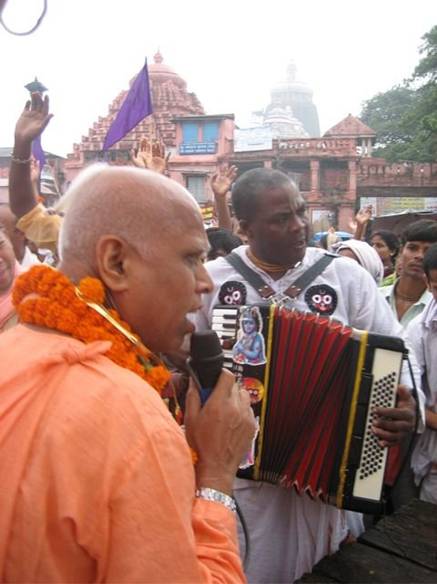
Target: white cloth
291,533
421,334
29,259
366,256
359,303
414,310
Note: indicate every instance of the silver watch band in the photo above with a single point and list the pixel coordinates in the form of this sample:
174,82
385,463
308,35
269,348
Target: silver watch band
217,497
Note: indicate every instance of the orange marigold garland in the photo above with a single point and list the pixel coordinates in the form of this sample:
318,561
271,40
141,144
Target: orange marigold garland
45,297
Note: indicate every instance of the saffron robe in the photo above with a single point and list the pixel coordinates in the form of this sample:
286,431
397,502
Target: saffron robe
96,478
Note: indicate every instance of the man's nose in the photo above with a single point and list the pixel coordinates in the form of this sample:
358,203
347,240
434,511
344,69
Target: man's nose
296,223
204,284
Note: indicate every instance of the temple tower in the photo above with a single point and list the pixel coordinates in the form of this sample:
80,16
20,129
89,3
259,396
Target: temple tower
296,97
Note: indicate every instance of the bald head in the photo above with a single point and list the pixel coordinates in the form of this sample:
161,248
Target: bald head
135,205
142,234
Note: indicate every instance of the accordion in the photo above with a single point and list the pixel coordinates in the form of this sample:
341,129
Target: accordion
313,384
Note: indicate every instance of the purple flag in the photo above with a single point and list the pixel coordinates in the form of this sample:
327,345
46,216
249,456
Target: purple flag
38,152
135,108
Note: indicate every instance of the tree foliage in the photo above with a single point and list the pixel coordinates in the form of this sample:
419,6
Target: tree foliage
405,117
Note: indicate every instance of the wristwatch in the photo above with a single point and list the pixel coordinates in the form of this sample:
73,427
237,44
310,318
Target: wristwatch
217,497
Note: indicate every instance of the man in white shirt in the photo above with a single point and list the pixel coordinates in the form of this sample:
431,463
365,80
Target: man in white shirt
290,533
421,333
409,295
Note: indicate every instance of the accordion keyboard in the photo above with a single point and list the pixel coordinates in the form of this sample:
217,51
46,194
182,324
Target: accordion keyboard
224,323
370,475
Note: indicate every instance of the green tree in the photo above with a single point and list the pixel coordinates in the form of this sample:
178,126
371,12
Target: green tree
405,117
427,67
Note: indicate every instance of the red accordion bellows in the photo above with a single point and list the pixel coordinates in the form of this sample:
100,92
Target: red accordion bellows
310,357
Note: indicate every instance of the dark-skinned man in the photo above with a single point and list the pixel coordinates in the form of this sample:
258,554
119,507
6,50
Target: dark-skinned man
290,533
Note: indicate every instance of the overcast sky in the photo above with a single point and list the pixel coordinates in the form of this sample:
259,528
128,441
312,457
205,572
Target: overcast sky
230,52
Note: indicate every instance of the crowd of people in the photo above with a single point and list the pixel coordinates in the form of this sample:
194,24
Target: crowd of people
99,482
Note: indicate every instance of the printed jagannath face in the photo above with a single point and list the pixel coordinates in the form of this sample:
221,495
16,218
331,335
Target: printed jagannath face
322,302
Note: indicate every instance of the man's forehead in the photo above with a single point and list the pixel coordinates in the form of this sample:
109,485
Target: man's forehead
194,235
420,242
286,197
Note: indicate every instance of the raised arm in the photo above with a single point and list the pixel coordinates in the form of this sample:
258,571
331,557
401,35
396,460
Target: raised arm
221,183
362,219
30,125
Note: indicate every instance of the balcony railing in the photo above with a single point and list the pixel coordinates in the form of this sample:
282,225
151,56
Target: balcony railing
198,148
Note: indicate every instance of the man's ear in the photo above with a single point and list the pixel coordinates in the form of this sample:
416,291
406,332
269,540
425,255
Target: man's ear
113,262
244,228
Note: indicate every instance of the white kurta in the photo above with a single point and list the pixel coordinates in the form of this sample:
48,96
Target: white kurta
421,334
289,533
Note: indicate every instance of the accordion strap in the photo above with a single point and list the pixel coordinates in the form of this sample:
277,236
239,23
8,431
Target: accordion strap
264,290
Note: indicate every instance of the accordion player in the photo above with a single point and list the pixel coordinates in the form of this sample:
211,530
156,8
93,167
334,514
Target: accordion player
313,384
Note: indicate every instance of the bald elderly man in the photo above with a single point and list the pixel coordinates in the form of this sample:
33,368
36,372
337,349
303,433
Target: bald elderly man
98,482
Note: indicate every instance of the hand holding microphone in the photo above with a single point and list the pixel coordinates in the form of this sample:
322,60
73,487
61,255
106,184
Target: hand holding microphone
222,430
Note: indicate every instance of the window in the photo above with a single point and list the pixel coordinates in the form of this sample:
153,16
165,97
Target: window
210,132
189,132
196,186
199,137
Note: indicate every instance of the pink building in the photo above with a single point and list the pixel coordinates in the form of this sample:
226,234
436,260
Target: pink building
201,141
336,173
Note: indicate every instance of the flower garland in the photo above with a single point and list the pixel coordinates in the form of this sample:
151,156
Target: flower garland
47,298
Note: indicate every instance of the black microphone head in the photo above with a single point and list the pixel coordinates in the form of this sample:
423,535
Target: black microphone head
206,357
204,345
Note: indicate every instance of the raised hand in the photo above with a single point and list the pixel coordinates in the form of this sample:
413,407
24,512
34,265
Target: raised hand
364,215
142,155
222,180
33,119
150,155
220,432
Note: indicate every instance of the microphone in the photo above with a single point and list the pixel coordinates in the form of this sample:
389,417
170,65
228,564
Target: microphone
206,362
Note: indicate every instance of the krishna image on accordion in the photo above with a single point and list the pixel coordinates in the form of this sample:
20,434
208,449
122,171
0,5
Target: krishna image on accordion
250,346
